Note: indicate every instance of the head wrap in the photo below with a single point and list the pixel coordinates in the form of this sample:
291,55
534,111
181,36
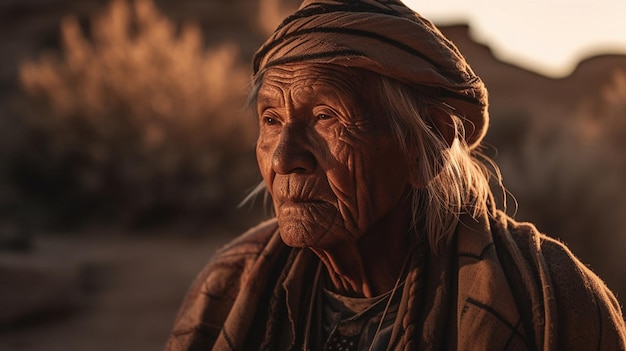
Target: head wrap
385,37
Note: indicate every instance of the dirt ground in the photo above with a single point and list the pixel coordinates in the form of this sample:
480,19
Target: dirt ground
130,291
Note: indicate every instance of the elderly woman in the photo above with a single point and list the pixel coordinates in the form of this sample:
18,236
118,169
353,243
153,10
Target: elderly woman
385,236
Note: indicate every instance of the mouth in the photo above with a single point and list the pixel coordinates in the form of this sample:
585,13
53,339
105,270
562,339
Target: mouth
293,191
302,201
302,208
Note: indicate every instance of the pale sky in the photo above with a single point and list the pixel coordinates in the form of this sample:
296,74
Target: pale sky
547,36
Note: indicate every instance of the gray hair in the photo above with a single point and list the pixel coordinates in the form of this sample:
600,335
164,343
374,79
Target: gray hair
450,178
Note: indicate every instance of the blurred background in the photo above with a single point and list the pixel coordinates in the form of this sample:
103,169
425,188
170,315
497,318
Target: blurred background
126,146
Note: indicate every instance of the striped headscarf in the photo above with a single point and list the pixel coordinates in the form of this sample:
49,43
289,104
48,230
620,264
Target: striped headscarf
385,37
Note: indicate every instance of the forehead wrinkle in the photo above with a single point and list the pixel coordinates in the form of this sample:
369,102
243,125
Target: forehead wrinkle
270,94
304,83
330,86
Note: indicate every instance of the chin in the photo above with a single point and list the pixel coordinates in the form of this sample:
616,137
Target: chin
298,232
310,234
305,224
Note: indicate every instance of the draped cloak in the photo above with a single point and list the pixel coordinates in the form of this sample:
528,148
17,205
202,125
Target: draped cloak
500,285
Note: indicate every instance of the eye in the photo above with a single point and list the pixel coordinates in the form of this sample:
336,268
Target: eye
324,113
324,116
269,121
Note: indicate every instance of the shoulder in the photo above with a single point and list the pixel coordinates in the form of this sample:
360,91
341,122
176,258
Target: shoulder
567,274
215,290
221,277
584,310
563,266
248,245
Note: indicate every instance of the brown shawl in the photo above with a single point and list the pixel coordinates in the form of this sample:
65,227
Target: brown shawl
386,37
500,285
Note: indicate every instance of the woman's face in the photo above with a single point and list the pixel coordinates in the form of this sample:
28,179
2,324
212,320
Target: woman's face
326,154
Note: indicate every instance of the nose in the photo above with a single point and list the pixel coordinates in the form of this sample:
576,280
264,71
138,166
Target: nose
293,152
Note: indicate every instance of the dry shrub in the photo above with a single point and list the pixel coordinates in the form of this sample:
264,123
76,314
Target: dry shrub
136,122
569,179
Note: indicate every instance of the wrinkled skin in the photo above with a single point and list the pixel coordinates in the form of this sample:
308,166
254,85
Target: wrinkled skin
337,178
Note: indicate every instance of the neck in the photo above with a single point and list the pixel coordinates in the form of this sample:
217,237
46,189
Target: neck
371,265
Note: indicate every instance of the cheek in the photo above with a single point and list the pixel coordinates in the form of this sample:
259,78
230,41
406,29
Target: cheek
264,159
351,180
389,174
374,178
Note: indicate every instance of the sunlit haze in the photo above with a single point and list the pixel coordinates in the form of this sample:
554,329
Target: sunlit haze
547,36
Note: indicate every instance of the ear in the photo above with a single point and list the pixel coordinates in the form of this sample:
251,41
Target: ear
442,121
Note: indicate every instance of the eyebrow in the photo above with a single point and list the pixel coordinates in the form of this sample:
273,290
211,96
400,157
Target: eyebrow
266,98
270,96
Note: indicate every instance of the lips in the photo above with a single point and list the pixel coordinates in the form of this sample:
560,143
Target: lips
297,200
299,203
298,191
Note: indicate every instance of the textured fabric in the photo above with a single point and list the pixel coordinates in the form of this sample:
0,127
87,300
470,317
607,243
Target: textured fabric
501,285
355,323
385,37
346,330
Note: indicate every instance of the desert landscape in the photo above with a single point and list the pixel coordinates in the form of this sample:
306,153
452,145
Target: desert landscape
125,150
